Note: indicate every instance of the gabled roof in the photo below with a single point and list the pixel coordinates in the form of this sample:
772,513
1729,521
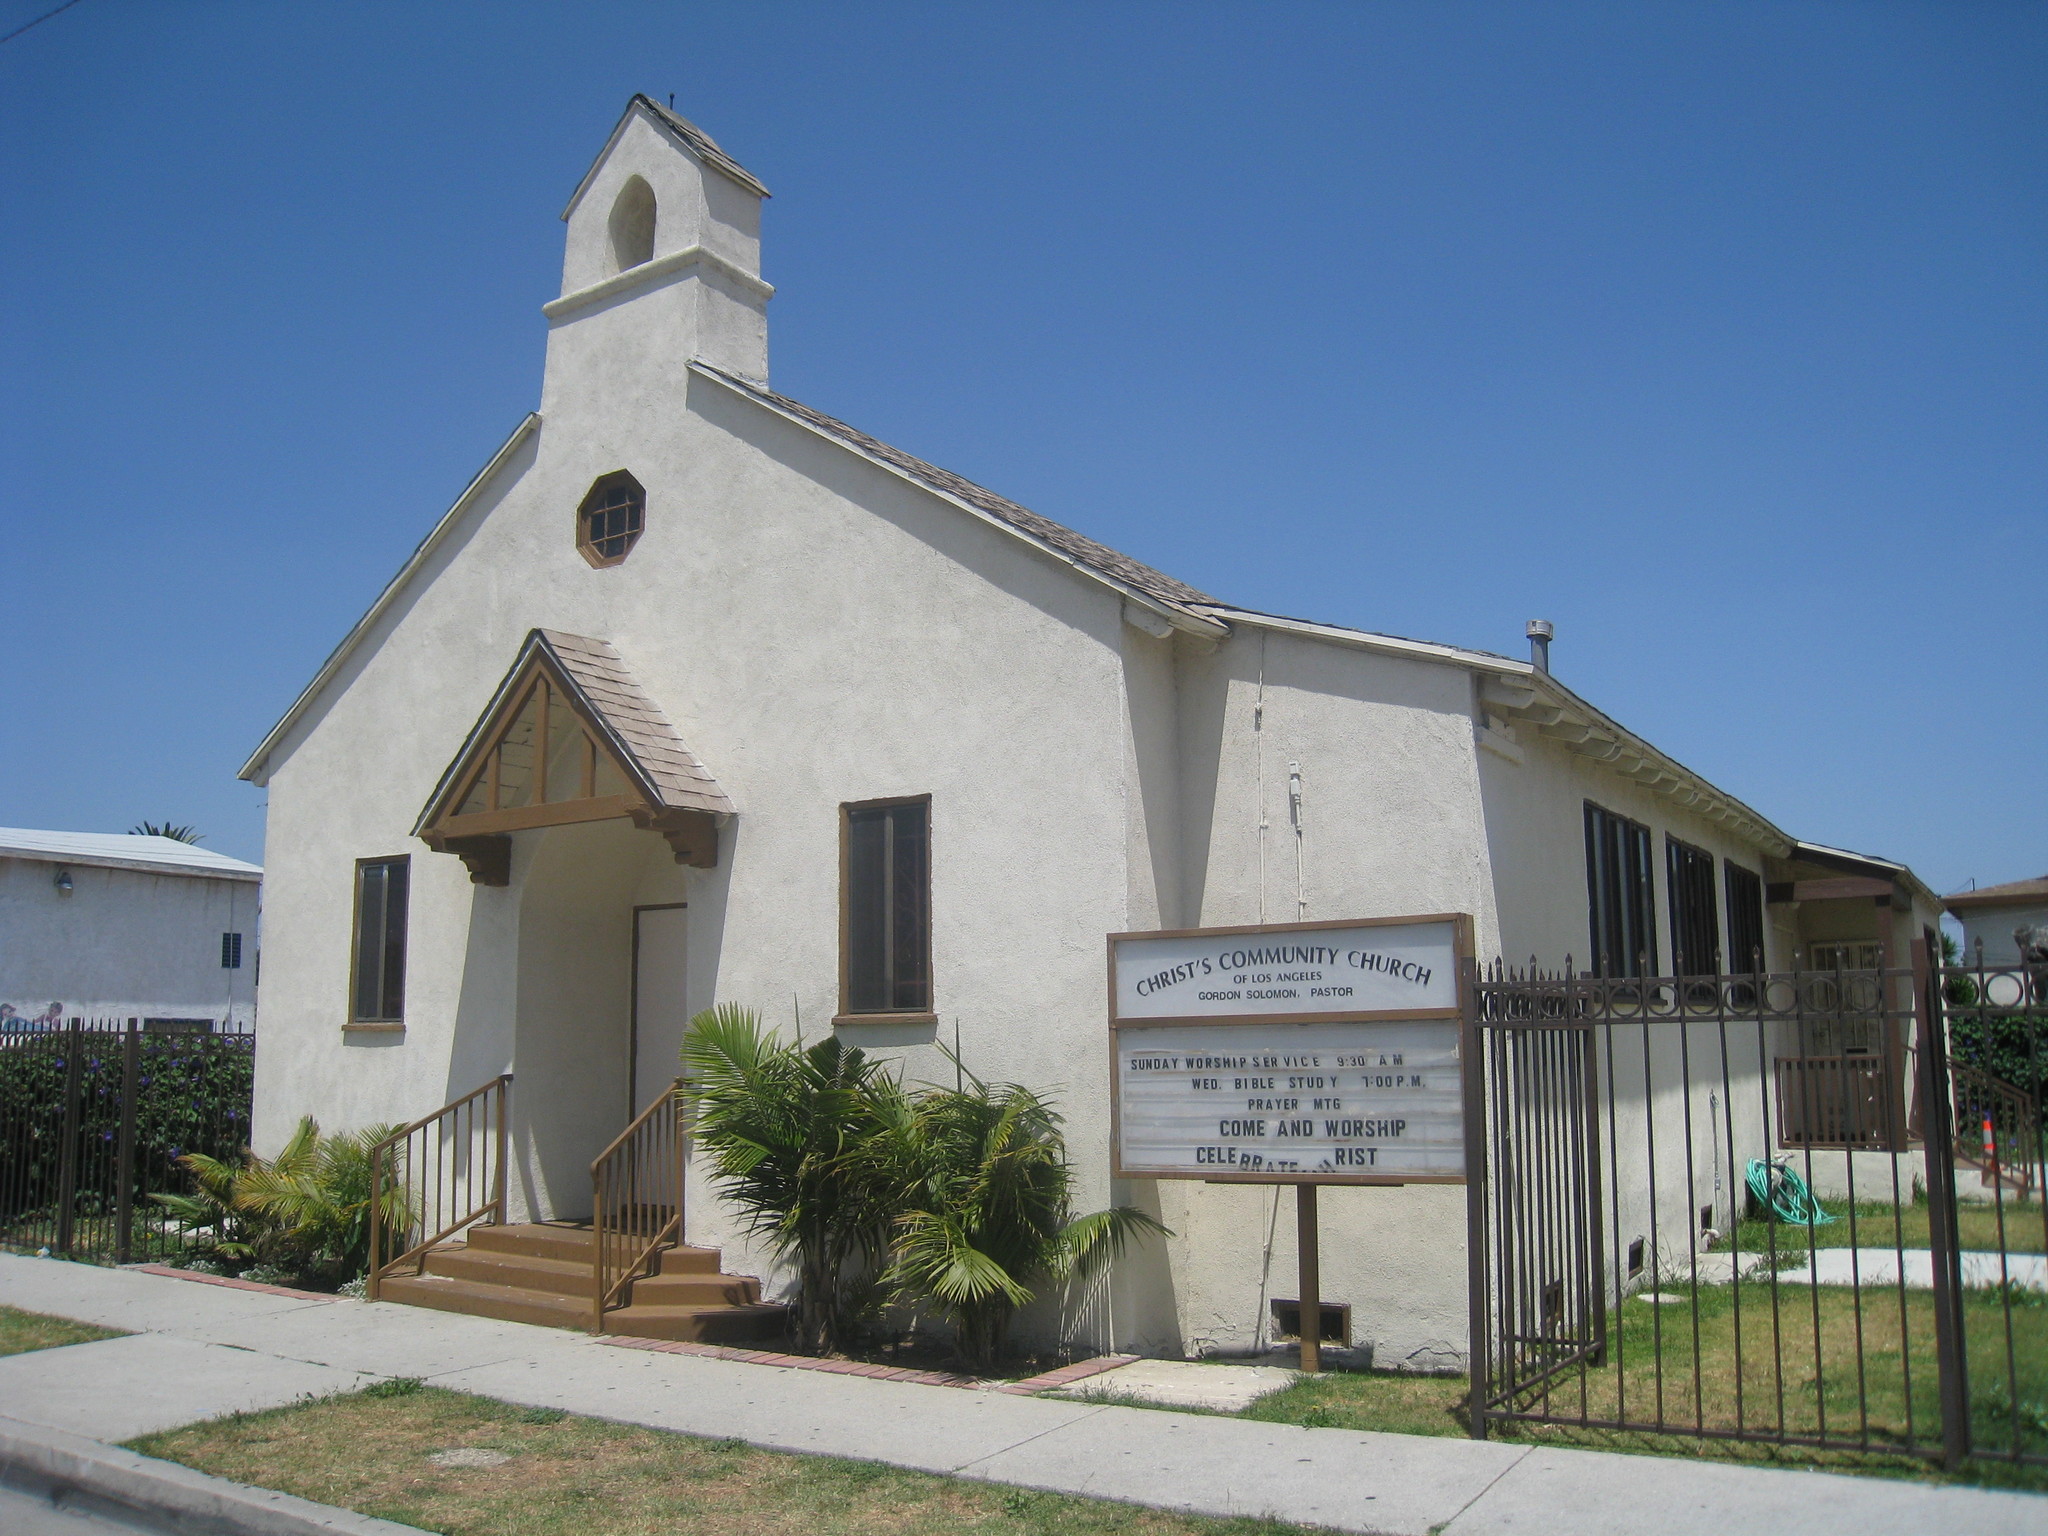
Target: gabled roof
685,133
123,850
1077,547
638,735
2014,893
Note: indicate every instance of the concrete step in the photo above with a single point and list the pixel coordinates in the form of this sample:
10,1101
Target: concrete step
691,1261
507,1303
521,1271
702,1325
696,1291
539,1239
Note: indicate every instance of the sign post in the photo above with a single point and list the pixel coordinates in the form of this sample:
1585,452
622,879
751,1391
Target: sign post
1291,1053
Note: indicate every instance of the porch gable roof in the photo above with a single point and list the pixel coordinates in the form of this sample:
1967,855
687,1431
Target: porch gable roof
633,729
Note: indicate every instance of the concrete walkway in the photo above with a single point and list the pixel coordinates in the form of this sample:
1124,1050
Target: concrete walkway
202,1350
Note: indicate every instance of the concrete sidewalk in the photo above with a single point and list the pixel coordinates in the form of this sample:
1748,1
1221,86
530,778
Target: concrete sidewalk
203,1350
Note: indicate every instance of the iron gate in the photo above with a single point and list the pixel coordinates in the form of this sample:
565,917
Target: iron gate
1800,1208
93,1119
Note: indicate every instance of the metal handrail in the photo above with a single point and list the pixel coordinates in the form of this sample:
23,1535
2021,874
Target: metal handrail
2013,1154
441,1162
636,1199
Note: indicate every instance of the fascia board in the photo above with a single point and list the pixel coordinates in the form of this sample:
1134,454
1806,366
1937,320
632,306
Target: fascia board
1183,619
1365,640
138,866
256,768
1657,765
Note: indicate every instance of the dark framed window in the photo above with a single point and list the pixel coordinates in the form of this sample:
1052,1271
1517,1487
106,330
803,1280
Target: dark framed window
611,518
1695,909
378,987
1745,890
1620,898
231,951
886,941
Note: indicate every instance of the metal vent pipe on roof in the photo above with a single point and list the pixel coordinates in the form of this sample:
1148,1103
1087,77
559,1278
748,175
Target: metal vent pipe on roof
1539,632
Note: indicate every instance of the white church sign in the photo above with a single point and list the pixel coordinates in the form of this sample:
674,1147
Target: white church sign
1324,1053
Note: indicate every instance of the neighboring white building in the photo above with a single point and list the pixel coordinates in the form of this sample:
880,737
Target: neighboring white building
2000,918
698,695
99,926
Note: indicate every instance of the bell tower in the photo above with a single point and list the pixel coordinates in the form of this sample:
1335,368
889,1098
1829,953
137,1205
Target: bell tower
661,267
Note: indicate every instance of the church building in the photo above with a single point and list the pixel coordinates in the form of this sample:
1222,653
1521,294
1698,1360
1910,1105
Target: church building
698,695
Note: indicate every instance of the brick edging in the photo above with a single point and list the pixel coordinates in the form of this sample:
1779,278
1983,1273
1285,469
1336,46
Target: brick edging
172,1272
1061,1377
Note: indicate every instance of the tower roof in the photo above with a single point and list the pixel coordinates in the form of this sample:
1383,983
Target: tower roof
688,135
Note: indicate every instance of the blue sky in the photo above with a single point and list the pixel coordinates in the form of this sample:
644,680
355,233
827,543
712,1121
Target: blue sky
1713,333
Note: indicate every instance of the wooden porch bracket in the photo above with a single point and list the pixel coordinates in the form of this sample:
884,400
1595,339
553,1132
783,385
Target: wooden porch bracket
487,856
692,834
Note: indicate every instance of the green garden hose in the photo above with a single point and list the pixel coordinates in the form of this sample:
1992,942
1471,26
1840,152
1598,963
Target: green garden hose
1784,1194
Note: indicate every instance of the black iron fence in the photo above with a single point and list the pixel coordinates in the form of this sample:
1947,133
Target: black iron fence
93,1119
1732,1207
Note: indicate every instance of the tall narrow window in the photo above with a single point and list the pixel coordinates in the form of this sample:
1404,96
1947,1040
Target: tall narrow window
1745,918
886,947
1619,894
231,951
1695,909
379,988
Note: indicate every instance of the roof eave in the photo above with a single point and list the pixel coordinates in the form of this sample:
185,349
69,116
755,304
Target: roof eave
251,876
256,769
1184,618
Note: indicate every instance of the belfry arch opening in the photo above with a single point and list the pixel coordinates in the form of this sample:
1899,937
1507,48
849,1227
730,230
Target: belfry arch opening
632,224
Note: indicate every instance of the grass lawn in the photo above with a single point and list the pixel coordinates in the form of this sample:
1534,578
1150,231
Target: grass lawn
568,1476
21,1332
1879,1226
1801,1374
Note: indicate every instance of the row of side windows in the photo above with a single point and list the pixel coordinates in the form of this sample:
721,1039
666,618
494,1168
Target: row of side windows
1621,903
885,942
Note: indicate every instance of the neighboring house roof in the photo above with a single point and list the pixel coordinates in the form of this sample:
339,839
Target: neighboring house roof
2014,893
1078,547
122,850
686,133
636,730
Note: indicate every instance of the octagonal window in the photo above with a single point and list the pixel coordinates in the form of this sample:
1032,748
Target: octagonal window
610,520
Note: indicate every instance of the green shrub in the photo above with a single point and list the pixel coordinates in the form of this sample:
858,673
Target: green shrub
304,1213
193,1094
790,1133
989,1219
959,1199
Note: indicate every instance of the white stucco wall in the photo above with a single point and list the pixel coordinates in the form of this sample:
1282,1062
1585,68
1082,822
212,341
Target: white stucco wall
125,944
1993,928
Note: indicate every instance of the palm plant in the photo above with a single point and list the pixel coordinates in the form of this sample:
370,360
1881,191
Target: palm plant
991,1218
306,1211
209,1217
317,1190
176,833
791,1134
